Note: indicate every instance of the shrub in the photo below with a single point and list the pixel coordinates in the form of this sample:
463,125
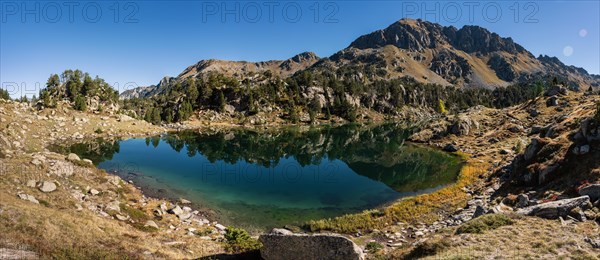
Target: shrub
485,222
80,103
429,247
238,240
442,107
373,247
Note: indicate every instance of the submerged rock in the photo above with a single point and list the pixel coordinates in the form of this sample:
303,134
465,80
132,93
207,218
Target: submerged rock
283,244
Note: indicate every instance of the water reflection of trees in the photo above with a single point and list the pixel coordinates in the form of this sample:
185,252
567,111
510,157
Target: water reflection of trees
306,146
97,150
377,152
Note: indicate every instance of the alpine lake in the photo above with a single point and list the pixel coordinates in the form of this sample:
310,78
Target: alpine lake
260,179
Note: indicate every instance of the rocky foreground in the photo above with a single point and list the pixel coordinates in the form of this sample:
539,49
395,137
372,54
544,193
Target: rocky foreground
57,206
537,197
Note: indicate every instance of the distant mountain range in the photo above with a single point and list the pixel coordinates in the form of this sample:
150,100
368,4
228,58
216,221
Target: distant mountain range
470,57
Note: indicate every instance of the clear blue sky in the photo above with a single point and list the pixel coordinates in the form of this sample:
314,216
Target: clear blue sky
145,41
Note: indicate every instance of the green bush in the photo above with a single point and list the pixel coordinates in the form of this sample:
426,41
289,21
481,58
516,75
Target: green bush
80,103
485,222
238,240
373,247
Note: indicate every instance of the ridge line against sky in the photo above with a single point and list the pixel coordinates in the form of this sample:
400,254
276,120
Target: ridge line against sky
141,42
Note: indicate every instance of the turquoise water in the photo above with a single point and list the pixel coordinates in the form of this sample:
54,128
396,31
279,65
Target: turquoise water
260,180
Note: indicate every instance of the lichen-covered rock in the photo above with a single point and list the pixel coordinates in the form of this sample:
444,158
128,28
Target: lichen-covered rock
555,209
287,245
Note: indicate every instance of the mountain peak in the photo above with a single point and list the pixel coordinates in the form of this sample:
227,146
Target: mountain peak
417,35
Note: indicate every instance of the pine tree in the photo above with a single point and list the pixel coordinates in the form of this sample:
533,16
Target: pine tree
221,102
80,103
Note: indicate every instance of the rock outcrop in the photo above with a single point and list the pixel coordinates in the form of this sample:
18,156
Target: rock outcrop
283,244
555,209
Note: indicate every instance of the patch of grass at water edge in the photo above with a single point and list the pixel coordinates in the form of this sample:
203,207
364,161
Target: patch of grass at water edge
422,208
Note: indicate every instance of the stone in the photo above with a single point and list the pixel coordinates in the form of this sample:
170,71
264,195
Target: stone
555,209
184,201
184,216
176,210
505,151
73,157
151,224
594,243
31,183
88,161
532,149
220,227
94,192
113,206
8,253
552,101
303,246
450,148
28,197
522,201
536,129
36,162
593,191
121,217
48,186
556,90
479,211
516,128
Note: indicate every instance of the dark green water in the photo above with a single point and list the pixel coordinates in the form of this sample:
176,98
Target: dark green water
260,180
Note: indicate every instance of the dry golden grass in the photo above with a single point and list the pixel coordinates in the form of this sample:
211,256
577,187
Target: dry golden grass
55,228
527,238
423,208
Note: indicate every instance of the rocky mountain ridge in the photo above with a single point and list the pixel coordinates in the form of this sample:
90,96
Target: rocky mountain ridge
427,52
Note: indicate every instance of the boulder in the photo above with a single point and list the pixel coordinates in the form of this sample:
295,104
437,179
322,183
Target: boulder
28,197
556,90
176,210
450,148
592,191
532,149
220,227
552,101
516,128
463,126
522,201
73,157
555,209
282,244
48,186
113,206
